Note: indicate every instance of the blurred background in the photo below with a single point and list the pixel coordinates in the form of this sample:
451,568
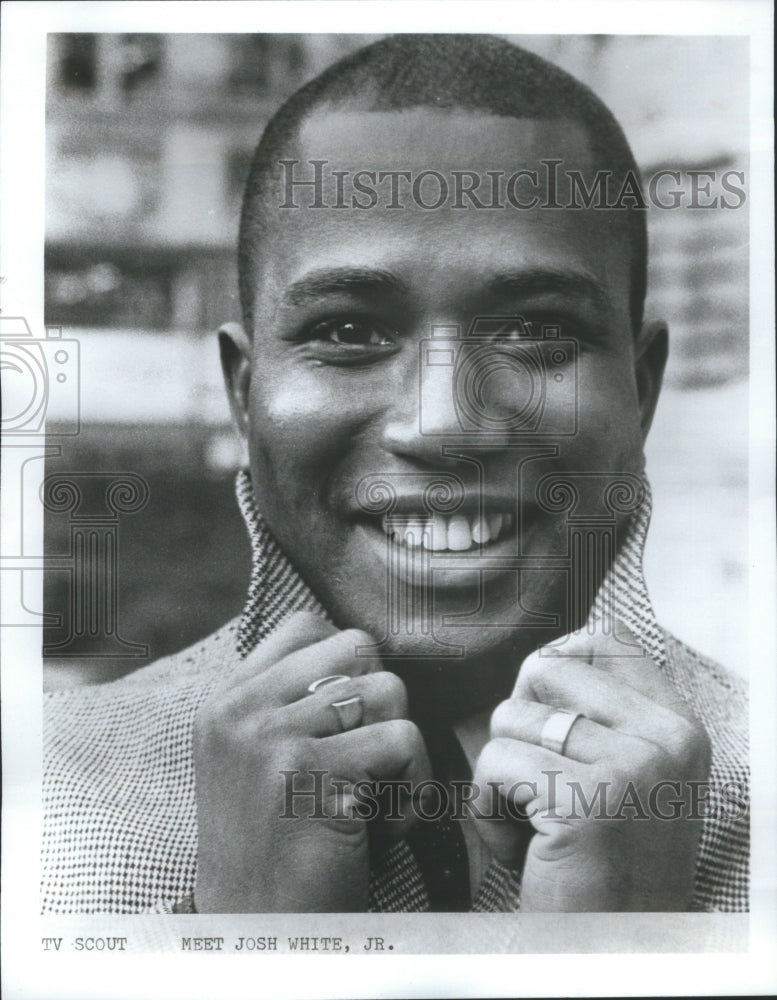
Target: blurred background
149,139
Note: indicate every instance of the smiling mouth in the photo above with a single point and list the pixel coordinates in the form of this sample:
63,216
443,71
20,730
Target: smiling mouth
455,533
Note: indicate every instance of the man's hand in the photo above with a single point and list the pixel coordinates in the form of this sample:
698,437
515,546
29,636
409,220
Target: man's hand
636,729
263,721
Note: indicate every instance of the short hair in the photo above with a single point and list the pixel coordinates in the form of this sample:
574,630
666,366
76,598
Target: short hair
471,72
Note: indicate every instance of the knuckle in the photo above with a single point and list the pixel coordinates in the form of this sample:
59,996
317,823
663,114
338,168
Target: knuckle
301,628
531,671
489,761
617,776
359,645
531,665
485,762
300,754
658,763
693,743
307,622
501,719
222,721
358,637
535,673
404,733
346,649
387,689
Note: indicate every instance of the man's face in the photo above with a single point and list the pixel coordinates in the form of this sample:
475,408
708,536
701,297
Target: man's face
344,391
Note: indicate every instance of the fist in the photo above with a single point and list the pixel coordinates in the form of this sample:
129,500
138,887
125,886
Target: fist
608,822
254,854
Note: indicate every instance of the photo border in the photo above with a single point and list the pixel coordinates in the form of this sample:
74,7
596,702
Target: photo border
742,946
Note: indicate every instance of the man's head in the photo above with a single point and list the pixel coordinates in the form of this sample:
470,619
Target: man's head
343,381
481,74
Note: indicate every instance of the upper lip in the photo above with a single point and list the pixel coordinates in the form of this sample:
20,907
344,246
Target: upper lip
471,505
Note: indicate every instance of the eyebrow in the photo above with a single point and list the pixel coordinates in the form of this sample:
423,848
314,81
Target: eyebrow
544,280
367,280
331,281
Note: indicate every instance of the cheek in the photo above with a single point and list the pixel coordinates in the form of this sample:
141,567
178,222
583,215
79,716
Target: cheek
609,430
299,432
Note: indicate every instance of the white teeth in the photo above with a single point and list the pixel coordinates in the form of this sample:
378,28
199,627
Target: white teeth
495,525
459,534
414,533
436,537
480,531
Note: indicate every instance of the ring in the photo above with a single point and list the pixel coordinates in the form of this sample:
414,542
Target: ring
556,730
350,712
323,681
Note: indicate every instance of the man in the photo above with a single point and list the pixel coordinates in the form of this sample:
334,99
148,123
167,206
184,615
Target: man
444,381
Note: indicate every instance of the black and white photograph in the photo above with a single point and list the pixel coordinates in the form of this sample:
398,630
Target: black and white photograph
388,553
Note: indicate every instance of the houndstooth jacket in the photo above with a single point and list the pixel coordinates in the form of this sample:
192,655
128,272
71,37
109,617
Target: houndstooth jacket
120,831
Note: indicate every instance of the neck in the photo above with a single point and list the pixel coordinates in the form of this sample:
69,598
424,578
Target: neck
442,692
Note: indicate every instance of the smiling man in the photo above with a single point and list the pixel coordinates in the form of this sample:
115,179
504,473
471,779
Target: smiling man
447,689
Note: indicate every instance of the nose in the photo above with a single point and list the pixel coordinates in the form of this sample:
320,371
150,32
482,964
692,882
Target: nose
423,412
427,412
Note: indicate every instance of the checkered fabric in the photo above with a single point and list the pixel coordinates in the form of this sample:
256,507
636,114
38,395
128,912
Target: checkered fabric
120,831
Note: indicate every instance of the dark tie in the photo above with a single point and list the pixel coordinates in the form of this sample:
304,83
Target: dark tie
438,845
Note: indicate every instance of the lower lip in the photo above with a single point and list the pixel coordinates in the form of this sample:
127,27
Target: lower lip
449,570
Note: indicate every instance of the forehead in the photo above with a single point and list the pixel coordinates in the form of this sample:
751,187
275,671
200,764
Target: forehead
468,239
439,138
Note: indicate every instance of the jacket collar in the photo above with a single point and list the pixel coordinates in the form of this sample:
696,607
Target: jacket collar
276,589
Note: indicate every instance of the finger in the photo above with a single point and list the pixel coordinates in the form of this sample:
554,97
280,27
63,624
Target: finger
385,750
564,682
290,678
295,632
587,741
601,635
639,671
382,696
515,782
391,758
617,651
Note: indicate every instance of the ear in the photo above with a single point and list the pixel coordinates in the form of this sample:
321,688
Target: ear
650,353
236,356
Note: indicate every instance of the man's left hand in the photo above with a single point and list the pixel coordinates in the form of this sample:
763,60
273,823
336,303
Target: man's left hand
602,836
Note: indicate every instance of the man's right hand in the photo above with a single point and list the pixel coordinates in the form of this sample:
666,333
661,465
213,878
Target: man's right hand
263,721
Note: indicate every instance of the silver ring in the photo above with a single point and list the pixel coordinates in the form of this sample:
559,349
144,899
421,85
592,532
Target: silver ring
323,681
556,730
350,712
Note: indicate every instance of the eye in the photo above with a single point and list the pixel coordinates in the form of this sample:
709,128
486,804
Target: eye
353,333
512,331
533,328
498,331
